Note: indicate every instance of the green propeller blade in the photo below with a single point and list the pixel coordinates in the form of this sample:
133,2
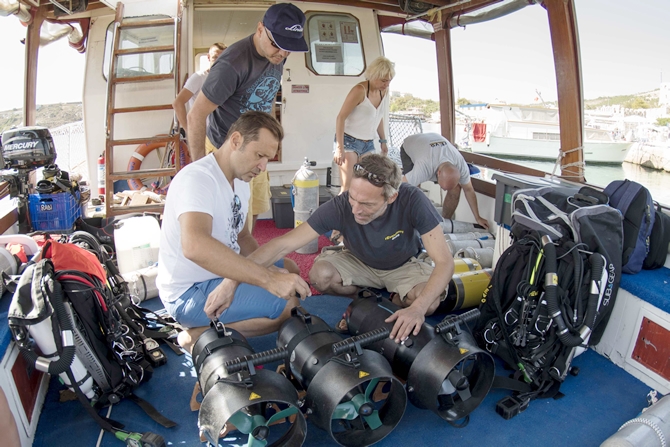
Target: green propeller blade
350,410
370,389
247,424
253,442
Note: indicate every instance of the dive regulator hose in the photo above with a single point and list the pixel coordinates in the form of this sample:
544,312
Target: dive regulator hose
550,289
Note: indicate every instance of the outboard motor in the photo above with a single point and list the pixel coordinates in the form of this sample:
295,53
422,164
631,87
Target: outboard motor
446,372
351,392
28,148
24,150
259,403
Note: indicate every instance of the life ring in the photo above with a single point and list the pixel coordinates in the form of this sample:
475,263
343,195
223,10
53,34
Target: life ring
141,151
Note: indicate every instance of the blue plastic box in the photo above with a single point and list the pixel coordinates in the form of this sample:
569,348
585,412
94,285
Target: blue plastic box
53,212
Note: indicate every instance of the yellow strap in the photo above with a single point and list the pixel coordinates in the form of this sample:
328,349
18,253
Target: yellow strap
306,183
537,266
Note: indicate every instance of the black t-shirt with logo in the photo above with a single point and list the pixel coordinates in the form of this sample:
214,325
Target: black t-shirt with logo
239,81
390,240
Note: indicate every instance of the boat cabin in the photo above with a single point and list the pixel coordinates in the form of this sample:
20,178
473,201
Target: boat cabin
139,54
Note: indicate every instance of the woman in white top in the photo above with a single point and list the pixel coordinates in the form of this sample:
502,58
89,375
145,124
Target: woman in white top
361,117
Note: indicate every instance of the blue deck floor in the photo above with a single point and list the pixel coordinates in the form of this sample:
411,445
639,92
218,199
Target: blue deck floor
596,403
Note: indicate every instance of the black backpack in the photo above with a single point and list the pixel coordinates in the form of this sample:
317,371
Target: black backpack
101,355
552,290
636,205
659,239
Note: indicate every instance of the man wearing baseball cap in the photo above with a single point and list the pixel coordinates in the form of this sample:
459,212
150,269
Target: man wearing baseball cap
246,77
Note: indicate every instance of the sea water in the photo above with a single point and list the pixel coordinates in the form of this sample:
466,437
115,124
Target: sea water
657,182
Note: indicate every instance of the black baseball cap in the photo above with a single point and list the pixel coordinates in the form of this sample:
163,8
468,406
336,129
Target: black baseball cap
286,21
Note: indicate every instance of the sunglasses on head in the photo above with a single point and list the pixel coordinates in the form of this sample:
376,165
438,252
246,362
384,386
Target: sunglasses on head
377,180
272,41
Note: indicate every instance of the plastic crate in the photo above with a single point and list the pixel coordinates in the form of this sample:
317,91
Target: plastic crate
53,212
506,184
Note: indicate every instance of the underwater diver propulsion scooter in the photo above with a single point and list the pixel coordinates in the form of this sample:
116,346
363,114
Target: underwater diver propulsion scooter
350,392
446,372
259,403
343,381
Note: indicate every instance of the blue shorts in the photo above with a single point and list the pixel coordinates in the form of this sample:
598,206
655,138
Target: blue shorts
351,144
249,302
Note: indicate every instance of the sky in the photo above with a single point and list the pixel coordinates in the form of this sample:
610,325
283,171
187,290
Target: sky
624,45
60,69
625,48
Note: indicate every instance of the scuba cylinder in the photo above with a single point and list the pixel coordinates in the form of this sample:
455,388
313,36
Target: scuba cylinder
306,200
467,236
335,175
465,290
651,427
37,325
455,246
461,264
484,256
142,283
9,265
455,226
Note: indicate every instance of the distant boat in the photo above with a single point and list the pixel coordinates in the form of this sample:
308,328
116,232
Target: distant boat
533,132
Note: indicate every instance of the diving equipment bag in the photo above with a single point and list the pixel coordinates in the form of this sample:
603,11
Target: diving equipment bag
552,290
71,323
659,239
636,205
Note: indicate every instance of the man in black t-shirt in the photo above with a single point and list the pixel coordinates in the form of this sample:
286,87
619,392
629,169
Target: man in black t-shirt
384,223
246,77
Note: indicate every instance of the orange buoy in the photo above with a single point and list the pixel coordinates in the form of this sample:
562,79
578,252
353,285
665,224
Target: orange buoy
141,151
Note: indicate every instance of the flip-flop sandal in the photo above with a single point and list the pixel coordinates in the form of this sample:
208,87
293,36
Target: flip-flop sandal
368,293
342,327
336,237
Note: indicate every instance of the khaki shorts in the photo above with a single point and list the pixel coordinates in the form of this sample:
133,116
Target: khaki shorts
354,272
260,193
259,200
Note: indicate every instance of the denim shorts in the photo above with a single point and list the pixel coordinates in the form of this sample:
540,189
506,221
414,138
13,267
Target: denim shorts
249,302
351,144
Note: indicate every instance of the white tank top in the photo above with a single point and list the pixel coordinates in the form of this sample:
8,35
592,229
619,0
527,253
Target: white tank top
362,122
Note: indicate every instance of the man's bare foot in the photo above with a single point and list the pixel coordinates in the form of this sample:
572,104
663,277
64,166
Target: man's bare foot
188,337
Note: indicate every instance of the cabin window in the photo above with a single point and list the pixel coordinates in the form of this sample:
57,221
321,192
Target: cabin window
151,62
335,45
201,61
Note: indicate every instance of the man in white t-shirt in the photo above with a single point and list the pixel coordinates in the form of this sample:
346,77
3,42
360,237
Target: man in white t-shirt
204,239
431,157
193,86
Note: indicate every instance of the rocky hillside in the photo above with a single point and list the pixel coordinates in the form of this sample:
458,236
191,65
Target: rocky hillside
49,115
